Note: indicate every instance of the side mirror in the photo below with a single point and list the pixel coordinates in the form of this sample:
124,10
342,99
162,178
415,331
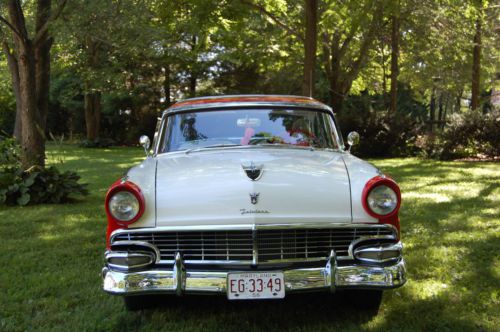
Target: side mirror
146,143
352,139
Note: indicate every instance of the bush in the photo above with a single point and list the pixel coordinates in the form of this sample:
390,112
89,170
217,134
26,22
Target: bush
382,133
98,143
470,134
9,152
33,186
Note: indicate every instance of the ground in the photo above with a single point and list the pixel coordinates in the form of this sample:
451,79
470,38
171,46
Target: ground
51,258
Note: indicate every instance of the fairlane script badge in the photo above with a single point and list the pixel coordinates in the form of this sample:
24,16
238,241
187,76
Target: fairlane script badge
254,172
245,211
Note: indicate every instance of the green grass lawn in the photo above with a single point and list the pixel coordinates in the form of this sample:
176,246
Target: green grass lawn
51,257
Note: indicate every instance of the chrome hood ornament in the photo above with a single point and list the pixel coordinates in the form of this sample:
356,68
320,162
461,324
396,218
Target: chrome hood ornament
254,172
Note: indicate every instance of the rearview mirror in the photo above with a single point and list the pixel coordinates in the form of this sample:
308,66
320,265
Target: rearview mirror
146,143
352,139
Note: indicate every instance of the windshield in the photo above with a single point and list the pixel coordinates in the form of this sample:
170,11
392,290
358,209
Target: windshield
286,127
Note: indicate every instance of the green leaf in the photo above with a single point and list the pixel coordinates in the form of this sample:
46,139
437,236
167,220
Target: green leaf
24,199
30,179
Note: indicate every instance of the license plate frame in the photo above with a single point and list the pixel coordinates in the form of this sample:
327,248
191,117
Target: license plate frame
255,285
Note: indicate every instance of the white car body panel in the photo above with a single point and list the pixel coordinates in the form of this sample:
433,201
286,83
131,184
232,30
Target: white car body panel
143,175
210,187
360,172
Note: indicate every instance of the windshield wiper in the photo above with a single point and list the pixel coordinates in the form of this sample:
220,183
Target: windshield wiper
211,146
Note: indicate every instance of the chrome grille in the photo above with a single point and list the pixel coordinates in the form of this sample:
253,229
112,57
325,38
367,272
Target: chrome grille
303,244
273,245
202,246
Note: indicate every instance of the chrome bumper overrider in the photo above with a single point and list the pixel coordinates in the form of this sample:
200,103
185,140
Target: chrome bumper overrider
179,280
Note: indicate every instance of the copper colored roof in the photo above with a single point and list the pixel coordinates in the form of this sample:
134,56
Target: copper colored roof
246,101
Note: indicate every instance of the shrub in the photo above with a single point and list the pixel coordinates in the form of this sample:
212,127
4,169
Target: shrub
33,186
471,134
9,152
98,143
382,133
38,186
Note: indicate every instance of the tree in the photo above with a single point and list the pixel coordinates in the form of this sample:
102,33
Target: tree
310,45
29,63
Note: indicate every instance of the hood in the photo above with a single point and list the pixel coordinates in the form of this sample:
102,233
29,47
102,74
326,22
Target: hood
210,187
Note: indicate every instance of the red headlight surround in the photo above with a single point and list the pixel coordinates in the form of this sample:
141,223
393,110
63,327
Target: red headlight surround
131,188
373,183
113,223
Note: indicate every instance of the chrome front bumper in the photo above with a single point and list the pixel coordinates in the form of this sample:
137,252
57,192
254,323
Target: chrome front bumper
179,280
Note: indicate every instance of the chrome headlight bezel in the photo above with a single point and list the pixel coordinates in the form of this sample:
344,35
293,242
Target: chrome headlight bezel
124,206
382,200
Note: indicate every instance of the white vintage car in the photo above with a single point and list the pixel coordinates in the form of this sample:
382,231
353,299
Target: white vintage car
254,197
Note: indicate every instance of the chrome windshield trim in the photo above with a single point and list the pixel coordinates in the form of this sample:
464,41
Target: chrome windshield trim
246,104
256,146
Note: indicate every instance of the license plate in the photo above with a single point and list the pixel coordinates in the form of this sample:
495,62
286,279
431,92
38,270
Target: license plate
255,285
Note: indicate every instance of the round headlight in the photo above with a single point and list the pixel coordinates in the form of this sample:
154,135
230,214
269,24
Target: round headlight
382,200
124,206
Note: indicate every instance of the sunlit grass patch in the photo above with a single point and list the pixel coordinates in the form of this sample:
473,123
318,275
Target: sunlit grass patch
52,256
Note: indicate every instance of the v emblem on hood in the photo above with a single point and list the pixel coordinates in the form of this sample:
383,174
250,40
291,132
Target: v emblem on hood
254,172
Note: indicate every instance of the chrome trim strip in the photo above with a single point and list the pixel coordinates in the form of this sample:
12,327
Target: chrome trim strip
139,244
123,254
368,238
249,227
296,280
331,269
247,104
398,247
255,247
254,229
179,274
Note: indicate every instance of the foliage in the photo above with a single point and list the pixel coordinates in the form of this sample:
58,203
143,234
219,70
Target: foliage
382,133
7,102
35,185
472,134
98,143
38,186
9,152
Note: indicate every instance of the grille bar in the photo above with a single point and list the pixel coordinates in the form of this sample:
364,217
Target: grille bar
269,245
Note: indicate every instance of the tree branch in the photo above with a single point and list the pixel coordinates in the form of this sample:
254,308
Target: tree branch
366,44
274,19
40,34
11,27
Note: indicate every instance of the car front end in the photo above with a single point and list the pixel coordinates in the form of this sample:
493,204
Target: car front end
274,205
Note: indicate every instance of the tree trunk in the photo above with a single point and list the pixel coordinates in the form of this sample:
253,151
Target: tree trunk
192,85
394,63
166,85
440,110
29,122
33,138
93,115
14,72
42,61
432,111
476,67
310,45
